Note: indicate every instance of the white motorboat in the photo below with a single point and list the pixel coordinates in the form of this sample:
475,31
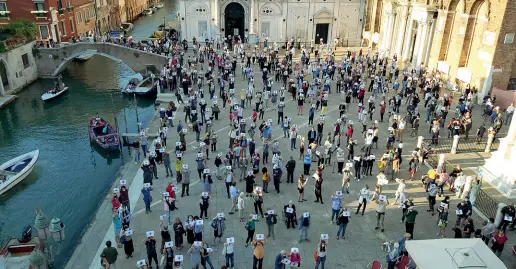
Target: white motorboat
158,5
147,12
84,57
143,87
127,26
14,171
51,94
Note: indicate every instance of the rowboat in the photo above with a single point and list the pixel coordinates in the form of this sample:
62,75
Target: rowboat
143,87
15,170
18,253
147,12
103,134
158,5
84,57
51,94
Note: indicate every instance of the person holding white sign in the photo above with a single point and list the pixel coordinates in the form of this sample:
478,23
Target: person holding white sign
381,206
304,226
258,252
363,199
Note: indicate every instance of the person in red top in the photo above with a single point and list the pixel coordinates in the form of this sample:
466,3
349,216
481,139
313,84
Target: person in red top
254,116
170,190
382,110
499,240
114,201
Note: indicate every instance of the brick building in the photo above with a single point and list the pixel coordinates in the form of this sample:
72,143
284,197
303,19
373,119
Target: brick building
465,41
55,18
84,17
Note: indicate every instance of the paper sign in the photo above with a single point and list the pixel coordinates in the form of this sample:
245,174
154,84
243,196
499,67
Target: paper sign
204,194
209,250
402,206
260,237
356,158
179,155
129,232
294,250
317,152
507,218
250,172
161,150
269,120
306,215
349,165
140,263
150,233
289,119
309,151
345,213
286,261
116,190
364,192
178,144
185,166
299,136
206,171
194,111
185,130
258,189
228,167
142,133
178,258
166,194
294,264
162,217
146,185
220,215
169,244
255,217
290,210
458,212
175,188
338,193
230,240
444,205
321,118
123,182
324,237
197,243
202,144
270,212
200,155
199,222
382,197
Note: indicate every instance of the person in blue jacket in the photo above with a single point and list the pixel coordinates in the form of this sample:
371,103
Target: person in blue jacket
147,199
278,262
307,162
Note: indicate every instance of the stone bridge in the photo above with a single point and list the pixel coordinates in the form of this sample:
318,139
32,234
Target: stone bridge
52,61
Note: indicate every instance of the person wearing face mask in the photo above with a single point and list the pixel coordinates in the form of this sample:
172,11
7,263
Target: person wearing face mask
278,261
321,255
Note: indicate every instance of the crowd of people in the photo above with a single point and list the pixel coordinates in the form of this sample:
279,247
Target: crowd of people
356,149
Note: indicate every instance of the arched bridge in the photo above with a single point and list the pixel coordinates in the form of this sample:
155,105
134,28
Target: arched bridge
52,61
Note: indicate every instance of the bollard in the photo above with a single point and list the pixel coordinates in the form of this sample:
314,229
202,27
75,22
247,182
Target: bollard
419,142
467,187
499,215
490,139
440,164
454,144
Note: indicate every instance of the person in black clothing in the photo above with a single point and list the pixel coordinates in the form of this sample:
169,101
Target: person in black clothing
290,217
150,244
165,236
318,189
291,166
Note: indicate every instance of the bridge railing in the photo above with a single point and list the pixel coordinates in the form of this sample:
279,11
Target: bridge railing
465,145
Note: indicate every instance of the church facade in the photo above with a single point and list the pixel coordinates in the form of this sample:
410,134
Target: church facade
275,20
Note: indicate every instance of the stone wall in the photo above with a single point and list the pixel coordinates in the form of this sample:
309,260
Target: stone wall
19,74
52,61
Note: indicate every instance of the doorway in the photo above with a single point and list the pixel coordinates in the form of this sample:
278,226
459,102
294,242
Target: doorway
4,76
321,31
234,18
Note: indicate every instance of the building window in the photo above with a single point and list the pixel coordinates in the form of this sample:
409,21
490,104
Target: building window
71,25
77,18
39,6
80,16
3,6
68,4
43,31
25,60
59,4
62,25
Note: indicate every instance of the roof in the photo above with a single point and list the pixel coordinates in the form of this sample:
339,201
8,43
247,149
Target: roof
453,254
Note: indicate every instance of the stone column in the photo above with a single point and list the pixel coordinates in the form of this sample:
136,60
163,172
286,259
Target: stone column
400,37
431,31
252,16
499,215
392,20
408,38
419,35
422,44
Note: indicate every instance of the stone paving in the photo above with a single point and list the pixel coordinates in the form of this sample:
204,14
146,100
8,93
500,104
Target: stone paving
362,244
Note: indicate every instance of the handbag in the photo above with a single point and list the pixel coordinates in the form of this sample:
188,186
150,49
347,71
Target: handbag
224,250
247,226
316,256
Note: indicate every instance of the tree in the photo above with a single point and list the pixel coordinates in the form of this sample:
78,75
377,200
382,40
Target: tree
22,28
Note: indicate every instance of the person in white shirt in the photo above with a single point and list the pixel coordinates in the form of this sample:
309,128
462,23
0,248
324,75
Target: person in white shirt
363,200
233,191
400,192
508,112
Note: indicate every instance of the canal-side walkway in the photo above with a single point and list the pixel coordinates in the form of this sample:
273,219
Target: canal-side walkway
6,99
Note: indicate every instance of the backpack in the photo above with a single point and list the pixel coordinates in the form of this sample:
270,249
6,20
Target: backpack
247,226
274,220
214,224
306,222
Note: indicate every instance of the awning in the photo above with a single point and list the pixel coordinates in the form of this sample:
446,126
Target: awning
453,254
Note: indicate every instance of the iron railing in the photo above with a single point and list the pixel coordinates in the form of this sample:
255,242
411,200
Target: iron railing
487,205
465,145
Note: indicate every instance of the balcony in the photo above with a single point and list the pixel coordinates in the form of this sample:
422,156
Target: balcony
4,14
40,13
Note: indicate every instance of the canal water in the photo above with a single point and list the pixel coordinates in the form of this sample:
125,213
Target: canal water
70,178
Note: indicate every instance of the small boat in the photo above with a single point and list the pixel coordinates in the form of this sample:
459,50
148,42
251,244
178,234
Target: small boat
127,26
147,12
143,87
83,57
18,253
103,134
51,94
14,171
158,5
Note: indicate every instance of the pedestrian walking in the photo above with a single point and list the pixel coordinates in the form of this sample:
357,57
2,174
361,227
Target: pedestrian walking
250,226
381,206
150,246
342,222
363,199
304,226
271,219
410,220
320,255
229,254
110,254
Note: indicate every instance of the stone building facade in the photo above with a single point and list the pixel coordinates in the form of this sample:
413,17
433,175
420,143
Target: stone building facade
277,20
465,41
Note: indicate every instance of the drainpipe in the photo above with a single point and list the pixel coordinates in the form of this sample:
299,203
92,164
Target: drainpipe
95,24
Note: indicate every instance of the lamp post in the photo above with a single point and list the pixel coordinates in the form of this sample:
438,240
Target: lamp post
50,233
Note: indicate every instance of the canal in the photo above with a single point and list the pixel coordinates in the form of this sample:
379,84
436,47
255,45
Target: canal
70,179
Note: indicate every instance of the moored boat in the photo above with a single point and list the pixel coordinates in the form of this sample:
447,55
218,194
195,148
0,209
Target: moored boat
84,57
16,170
103,134
51,94
158,5
19,253
143,87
